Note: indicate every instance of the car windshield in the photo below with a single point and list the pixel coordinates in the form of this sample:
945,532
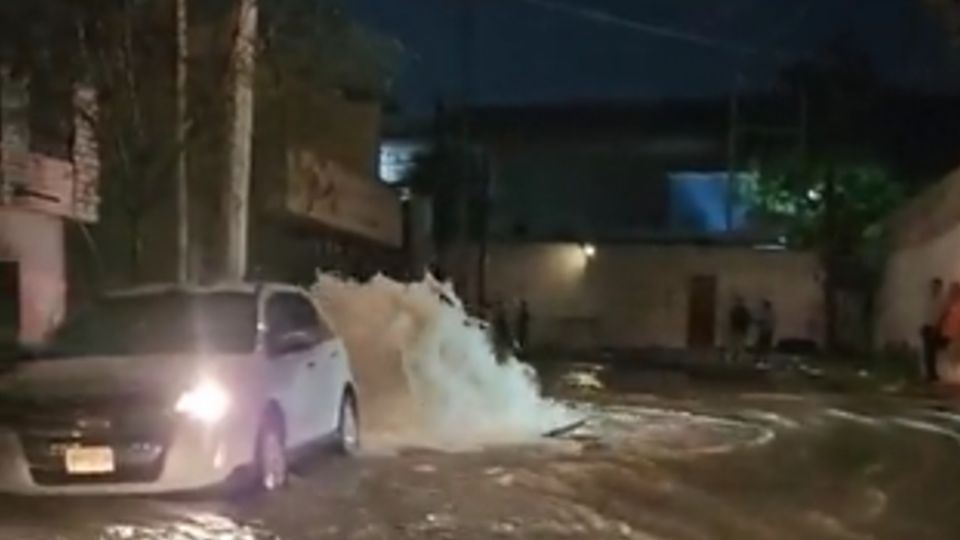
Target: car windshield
161,324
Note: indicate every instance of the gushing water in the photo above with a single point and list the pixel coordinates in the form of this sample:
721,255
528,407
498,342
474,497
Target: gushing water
426,371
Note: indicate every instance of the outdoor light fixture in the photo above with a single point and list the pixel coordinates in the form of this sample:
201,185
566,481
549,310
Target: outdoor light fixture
589,250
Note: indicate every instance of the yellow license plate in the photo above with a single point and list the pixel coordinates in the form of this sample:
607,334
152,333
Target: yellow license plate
90,460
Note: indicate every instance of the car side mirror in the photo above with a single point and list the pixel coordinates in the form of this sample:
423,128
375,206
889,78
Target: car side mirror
291,342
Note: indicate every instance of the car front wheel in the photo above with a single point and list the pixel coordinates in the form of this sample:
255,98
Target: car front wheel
348,428
271,457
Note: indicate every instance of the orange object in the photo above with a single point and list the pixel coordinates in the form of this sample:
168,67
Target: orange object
950,326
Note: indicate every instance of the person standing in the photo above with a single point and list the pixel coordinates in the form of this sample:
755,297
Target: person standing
502,340
739,326
523,325
931,337
766,324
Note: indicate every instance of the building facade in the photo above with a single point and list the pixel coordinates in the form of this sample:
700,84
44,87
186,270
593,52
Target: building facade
315,200
652,296
925,245
41,194
315,203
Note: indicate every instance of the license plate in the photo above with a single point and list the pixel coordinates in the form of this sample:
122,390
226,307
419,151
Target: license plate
90,460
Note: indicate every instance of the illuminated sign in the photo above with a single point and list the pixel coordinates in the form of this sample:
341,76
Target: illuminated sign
397,160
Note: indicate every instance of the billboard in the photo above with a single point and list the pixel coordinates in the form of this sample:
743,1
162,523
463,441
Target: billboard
322,190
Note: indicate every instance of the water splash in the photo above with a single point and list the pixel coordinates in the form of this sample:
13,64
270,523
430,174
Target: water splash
427,372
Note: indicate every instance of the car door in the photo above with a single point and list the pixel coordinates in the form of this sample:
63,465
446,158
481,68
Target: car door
292,355
333,375
325,374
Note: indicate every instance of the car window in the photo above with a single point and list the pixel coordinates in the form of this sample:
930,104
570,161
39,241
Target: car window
160,324
279,319
292,312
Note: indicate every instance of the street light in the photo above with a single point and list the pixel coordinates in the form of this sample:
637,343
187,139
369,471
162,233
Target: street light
589,250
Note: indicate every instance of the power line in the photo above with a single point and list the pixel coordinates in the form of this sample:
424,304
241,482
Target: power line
666,32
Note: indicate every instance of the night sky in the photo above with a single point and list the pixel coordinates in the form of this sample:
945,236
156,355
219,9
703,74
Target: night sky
524,51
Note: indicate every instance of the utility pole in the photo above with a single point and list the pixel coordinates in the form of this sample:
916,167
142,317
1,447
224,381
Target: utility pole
804,143
732,141
473,163
488,171
183,200
831,257
740,126
236,193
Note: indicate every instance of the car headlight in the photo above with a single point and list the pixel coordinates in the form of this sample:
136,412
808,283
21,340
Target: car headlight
207,401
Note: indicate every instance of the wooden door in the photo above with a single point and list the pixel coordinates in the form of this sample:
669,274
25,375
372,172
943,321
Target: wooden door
9,300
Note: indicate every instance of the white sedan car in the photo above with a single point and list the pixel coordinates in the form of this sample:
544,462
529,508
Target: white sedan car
172,389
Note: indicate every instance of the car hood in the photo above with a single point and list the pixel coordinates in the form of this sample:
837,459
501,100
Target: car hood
141,376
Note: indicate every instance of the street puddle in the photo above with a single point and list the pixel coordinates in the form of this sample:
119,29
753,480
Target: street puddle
196,527
667,433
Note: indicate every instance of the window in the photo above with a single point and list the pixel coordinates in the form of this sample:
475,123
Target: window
170,323
292,312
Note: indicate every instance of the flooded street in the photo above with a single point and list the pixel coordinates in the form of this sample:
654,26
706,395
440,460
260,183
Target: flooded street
735,464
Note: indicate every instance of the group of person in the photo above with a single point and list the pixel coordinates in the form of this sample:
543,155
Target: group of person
940,332
742,320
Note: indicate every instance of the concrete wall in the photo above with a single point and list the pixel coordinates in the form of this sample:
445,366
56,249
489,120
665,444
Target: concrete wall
926,244
637,296
902,300
36,242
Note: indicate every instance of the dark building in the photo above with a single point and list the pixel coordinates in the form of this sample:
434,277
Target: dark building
316,201
660,170
49,176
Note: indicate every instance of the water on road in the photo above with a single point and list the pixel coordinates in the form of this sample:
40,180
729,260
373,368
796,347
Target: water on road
731,465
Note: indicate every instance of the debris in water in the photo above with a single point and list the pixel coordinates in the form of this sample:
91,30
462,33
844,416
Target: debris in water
566,429
587,380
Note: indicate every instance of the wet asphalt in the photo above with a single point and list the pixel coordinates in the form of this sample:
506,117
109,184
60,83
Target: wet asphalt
665,457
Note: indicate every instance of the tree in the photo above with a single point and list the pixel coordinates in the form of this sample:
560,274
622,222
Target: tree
312,44
130,51
832,194
183,91
793,198
134,53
